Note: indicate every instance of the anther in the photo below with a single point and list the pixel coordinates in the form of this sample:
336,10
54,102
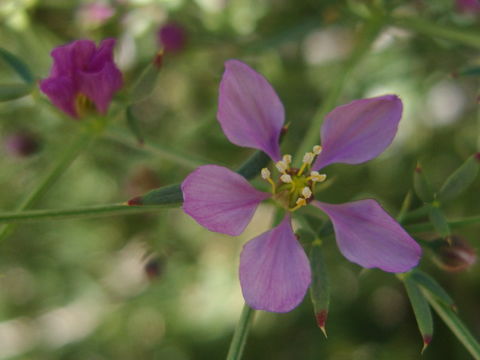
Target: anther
317,149
316,177
265,174
286,178
306,192
287,159
282,166
301,202
308,158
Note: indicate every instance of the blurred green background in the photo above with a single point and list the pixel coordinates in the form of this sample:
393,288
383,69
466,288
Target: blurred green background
78,289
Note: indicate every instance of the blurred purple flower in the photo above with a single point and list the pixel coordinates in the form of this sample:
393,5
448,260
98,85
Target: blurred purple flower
172,37
274,269
467,6
21,144
83,78
95,14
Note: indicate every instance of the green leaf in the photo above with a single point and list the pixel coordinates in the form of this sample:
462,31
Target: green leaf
17,65
422,187
439,221
432,286
145,84
320,286
133,124
462,178
455,324
14,91
421,310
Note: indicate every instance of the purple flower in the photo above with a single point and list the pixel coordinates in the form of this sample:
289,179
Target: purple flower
274,269
467,6
172,37
83,77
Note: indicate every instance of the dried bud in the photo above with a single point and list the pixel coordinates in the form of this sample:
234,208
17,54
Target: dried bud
21,144
455,254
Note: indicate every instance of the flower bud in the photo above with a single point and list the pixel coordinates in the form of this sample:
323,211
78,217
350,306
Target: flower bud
455,254
21,144
172,37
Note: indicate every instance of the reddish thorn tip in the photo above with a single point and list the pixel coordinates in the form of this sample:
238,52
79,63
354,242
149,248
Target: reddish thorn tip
477,156
158,60
135,201
427,339
418,169
321,318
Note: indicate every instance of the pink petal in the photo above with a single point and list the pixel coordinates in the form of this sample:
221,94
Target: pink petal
359,131
67,59
249,110
61,92
219,199
274,270
369,237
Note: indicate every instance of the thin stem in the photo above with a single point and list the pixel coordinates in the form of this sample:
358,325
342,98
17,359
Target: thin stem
63,163
241,332
368,35
442,31
83,212
454,224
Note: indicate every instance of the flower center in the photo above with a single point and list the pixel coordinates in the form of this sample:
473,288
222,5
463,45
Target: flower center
84,106
295,187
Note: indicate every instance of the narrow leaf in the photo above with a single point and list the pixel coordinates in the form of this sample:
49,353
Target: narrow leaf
420,309
133,124
422,187
432,286
146,83
165,195
17,65
320,286
439,221
455,324
461,178
14,91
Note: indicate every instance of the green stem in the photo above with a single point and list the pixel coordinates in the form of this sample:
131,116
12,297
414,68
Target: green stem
454,224
83,212
241,332
435,30
367,37
172,155
65,160
451,319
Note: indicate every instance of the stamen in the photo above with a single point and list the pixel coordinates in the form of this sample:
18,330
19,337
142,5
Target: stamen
300,202
287,158
265,174
308,158
306,192
286,178
281,166
316,177
317,149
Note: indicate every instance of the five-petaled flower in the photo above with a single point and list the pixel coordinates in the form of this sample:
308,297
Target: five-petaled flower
83,77
274,269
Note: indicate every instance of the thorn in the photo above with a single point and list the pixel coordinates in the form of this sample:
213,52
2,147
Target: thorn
477,156
321,318
418,168
158,59
427,339
454,308
136,201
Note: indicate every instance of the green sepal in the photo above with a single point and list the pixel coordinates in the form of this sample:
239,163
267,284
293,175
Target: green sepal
421,310
14,91
439,221
460,179
432,286
422,186
17,65
145,84
320,286
133,124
